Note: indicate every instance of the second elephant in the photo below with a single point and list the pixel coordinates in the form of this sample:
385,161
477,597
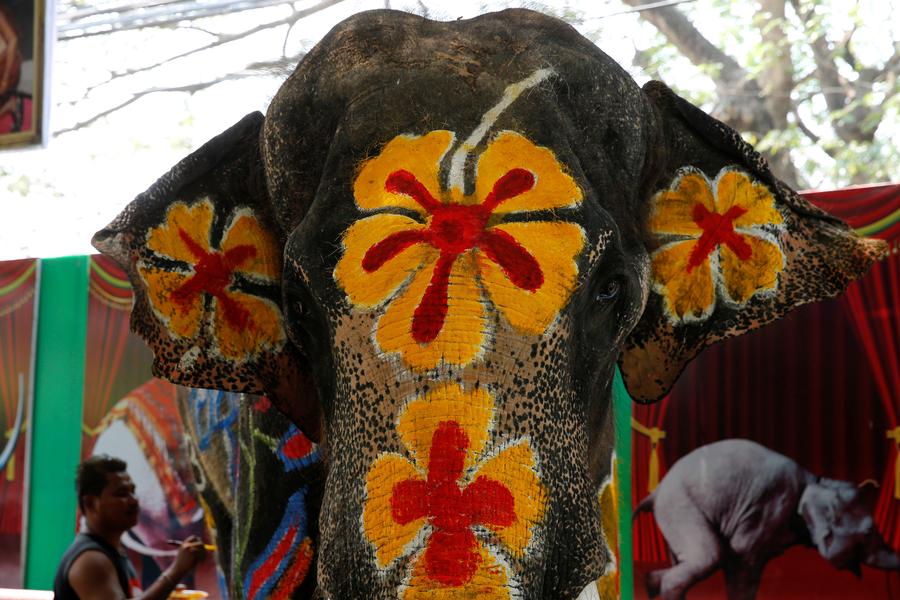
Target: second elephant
735,505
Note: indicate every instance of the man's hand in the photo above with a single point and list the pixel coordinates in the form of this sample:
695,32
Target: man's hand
190,554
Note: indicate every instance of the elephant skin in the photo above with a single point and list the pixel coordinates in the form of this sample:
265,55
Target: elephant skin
431,254
735,505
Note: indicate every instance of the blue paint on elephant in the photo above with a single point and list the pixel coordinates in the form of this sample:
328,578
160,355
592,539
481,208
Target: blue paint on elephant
270,566
296,451
215,413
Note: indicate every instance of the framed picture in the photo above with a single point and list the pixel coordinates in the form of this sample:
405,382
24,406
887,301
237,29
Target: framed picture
24,58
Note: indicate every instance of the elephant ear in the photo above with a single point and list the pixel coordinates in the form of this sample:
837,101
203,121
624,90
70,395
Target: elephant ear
819,506
731,247
205,259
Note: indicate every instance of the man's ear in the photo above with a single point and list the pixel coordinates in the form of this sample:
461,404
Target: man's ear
204,257
731,247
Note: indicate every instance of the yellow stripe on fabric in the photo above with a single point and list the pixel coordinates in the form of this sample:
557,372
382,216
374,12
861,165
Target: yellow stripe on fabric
879,225
19,280
109,277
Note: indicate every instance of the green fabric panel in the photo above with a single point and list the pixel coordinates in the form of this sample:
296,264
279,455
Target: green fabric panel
58,395
622,412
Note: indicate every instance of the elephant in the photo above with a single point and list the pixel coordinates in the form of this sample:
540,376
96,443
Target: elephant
735,505
432,253
233,437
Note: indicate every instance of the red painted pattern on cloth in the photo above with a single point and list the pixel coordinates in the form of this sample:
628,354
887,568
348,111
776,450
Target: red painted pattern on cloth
297,446
455,229
451,556
212,274
295,574
717,229
268,568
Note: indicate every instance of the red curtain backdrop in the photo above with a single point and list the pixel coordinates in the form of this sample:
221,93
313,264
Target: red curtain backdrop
17,291
115,361
821,386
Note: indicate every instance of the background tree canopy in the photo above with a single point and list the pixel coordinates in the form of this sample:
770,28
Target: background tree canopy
140,83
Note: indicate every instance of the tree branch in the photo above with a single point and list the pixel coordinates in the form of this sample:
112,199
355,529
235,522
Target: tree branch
194,87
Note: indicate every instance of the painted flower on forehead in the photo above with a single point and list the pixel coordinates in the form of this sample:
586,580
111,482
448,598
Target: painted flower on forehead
192,280
720,239
453,491
435,256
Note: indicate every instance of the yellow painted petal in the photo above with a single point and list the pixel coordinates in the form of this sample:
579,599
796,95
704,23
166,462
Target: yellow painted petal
194,220
554,187
672,209
515,468
489,582
556,247
389,538
368,290
420,155
735,188
246,230
183,321
463,335
608,583
744,278
263,331
473,410
687,296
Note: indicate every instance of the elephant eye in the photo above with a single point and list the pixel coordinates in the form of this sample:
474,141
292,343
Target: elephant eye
609,291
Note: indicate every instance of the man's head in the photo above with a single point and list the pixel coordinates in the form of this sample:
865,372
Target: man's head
106,493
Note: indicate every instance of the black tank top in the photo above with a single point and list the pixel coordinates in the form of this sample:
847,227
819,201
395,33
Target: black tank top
88,541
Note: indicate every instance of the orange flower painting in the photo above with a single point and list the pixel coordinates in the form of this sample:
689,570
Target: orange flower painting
721,241
435,260
434,506
191,283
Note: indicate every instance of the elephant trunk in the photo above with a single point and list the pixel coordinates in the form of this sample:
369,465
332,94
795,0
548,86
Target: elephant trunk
885,558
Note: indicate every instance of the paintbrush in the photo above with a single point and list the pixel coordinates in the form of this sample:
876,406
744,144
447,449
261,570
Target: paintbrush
210,547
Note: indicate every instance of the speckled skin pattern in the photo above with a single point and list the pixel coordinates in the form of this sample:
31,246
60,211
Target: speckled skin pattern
381,74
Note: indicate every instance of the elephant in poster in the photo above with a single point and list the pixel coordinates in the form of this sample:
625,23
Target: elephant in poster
735,505
431,254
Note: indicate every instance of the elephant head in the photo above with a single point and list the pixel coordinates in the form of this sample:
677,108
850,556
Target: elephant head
839,518
432,253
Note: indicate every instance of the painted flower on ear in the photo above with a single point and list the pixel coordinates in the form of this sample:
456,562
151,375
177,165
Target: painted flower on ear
451,492
434,256
719,240
191,280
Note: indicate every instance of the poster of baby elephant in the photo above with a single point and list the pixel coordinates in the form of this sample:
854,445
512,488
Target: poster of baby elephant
771,470
734,505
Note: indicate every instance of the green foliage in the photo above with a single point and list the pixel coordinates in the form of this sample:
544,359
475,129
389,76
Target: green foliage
829,148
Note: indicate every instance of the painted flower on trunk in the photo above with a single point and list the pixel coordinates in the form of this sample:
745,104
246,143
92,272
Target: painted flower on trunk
192,281
450,495
434,256
719,240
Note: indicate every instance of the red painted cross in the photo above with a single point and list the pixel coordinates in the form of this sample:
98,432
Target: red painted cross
454,229
212,275
451,556
717,229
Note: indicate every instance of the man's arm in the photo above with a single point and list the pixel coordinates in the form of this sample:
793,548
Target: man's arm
93,575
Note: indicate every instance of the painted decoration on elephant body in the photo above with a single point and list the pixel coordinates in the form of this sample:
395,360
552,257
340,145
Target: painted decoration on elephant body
129,414
719,241
201,277
18,295
438,263
457,484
